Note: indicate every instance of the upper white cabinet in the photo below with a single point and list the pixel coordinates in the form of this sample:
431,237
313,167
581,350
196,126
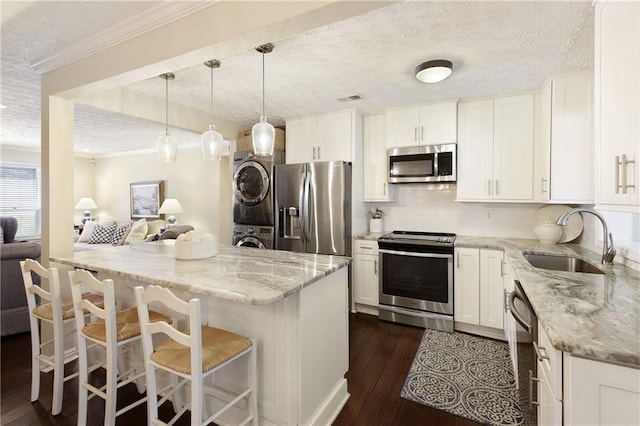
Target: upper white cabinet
375,184
326,137
567,162
422,125
495,149
617,99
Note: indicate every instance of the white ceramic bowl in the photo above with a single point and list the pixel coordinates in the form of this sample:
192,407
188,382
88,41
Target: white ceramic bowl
548,232
192,250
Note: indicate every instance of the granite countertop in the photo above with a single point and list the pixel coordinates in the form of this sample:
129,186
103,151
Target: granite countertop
242,274
589,315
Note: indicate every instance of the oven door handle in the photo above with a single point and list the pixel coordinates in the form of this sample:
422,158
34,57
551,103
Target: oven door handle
515,294
409,253
409,312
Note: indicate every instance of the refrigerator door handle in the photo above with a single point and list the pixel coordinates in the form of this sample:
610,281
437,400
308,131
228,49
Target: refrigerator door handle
301,206
307,190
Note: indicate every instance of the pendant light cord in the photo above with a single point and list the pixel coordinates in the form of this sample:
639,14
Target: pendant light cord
263,84
166,129
212,91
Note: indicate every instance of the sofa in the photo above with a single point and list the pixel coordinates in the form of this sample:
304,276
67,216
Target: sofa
14,313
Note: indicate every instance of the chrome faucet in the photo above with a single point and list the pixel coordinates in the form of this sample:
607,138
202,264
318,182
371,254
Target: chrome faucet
608,252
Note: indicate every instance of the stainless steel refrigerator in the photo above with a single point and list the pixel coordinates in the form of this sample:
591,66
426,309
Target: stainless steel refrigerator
313,206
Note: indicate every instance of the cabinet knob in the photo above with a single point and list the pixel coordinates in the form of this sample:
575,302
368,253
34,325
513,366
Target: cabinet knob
314,152
544,185
375,267
415,134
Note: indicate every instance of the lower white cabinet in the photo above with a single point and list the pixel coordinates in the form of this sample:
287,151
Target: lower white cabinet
479,289
550,369
365,275
597,393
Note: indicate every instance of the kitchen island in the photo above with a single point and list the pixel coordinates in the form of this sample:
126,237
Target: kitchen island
294,304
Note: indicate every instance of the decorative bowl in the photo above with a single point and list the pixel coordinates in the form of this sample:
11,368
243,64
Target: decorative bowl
548,232
193,250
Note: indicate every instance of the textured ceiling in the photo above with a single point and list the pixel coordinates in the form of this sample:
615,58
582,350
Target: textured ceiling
495,47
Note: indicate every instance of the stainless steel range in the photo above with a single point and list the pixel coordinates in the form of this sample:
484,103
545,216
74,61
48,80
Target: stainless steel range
416,279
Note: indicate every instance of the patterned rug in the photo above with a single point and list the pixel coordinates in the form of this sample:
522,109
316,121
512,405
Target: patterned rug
465,375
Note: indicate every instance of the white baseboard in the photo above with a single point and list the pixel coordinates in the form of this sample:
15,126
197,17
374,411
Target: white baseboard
331,407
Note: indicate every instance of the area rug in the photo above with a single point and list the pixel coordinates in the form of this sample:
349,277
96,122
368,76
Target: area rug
465,375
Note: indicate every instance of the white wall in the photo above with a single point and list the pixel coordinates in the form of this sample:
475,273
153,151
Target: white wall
432,208
203,188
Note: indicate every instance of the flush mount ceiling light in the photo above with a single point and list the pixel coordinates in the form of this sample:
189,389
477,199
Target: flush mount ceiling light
167,144
263,133
213,145
434,71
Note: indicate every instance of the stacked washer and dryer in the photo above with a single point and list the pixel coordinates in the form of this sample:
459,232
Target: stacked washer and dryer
253,218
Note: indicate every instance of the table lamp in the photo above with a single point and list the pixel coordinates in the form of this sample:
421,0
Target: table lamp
86,204
170,206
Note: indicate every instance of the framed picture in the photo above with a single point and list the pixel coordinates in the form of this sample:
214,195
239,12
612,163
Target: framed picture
146,199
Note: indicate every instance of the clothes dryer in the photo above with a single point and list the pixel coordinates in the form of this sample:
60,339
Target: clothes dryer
253,187
253,236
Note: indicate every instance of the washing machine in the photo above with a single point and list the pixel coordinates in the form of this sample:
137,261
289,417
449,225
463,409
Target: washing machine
253,187
253,236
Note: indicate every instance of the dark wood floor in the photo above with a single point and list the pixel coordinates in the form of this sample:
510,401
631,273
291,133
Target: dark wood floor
380,356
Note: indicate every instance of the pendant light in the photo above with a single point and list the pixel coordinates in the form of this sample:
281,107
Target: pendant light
212,142
263,133
167,144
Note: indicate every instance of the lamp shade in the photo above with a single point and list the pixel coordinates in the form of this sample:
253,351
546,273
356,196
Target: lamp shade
263,135
434,71
86,203
170,206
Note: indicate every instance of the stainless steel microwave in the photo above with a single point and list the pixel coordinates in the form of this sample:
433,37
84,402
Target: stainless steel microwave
424,163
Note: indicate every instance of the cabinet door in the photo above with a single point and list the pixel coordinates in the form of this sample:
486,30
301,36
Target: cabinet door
513,147
301,140
475,150
549,409
597,393
334,136
491,288
403,127
617,66
466,292
365,278
438,123
375,160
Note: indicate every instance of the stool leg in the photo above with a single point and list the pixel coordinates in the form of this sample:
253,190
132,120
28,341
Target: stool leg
35,362
58,369
253,382
152,394
112,383
196,399
83,378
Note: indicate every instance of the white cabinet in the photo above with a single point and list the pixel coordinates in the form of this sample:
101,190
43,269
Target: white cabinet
479,288
374,149
567,160
495,149
617,100
422,125
600,394
365,274
326,137
550,369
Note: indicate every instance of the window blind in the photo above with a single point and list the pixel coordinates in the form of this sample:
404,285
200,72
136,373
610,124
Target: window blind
20,197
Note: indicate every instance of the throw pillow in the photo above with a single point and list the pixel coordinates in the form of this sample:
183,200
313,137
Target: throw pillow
155,226
102,234
118,234
138,232
88,229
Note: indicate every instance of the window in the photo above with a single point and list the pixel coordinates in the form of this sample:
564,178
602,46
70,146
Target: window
20,197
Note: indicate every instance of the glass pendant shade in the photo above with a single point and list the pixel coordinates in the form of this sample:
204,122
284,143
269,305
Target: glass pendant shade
212,144
167,148
263,135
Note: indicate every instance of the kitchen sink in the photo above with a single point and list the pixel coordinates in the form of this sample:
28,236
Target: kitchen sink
561,263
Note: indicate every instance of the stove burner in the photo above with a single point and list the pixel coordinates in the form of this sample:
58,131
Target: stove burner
422,238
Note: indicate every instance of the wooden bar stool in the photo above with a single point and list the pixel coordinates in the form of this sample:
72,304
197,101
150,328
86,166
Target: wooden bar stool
58,312
192,355
112,331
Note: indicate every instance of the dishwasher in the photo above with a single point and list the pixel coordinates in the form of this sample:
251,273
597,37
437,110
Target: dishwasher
525,362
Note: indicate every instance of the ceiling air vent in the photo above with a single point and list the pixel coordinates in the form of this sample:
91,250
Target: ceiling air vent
350,98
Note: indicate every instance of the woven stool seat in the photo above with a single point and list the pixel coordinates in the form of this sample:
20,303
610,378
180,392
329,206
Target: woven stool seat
218,346
127,325
45,310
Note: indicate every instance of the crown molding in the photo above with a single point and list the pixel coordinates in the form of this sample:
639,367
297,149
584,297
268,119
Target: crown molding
128,29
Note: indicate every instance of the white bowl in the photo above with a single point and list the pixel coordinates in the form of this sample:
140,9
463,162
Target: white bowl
548,232
192,250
